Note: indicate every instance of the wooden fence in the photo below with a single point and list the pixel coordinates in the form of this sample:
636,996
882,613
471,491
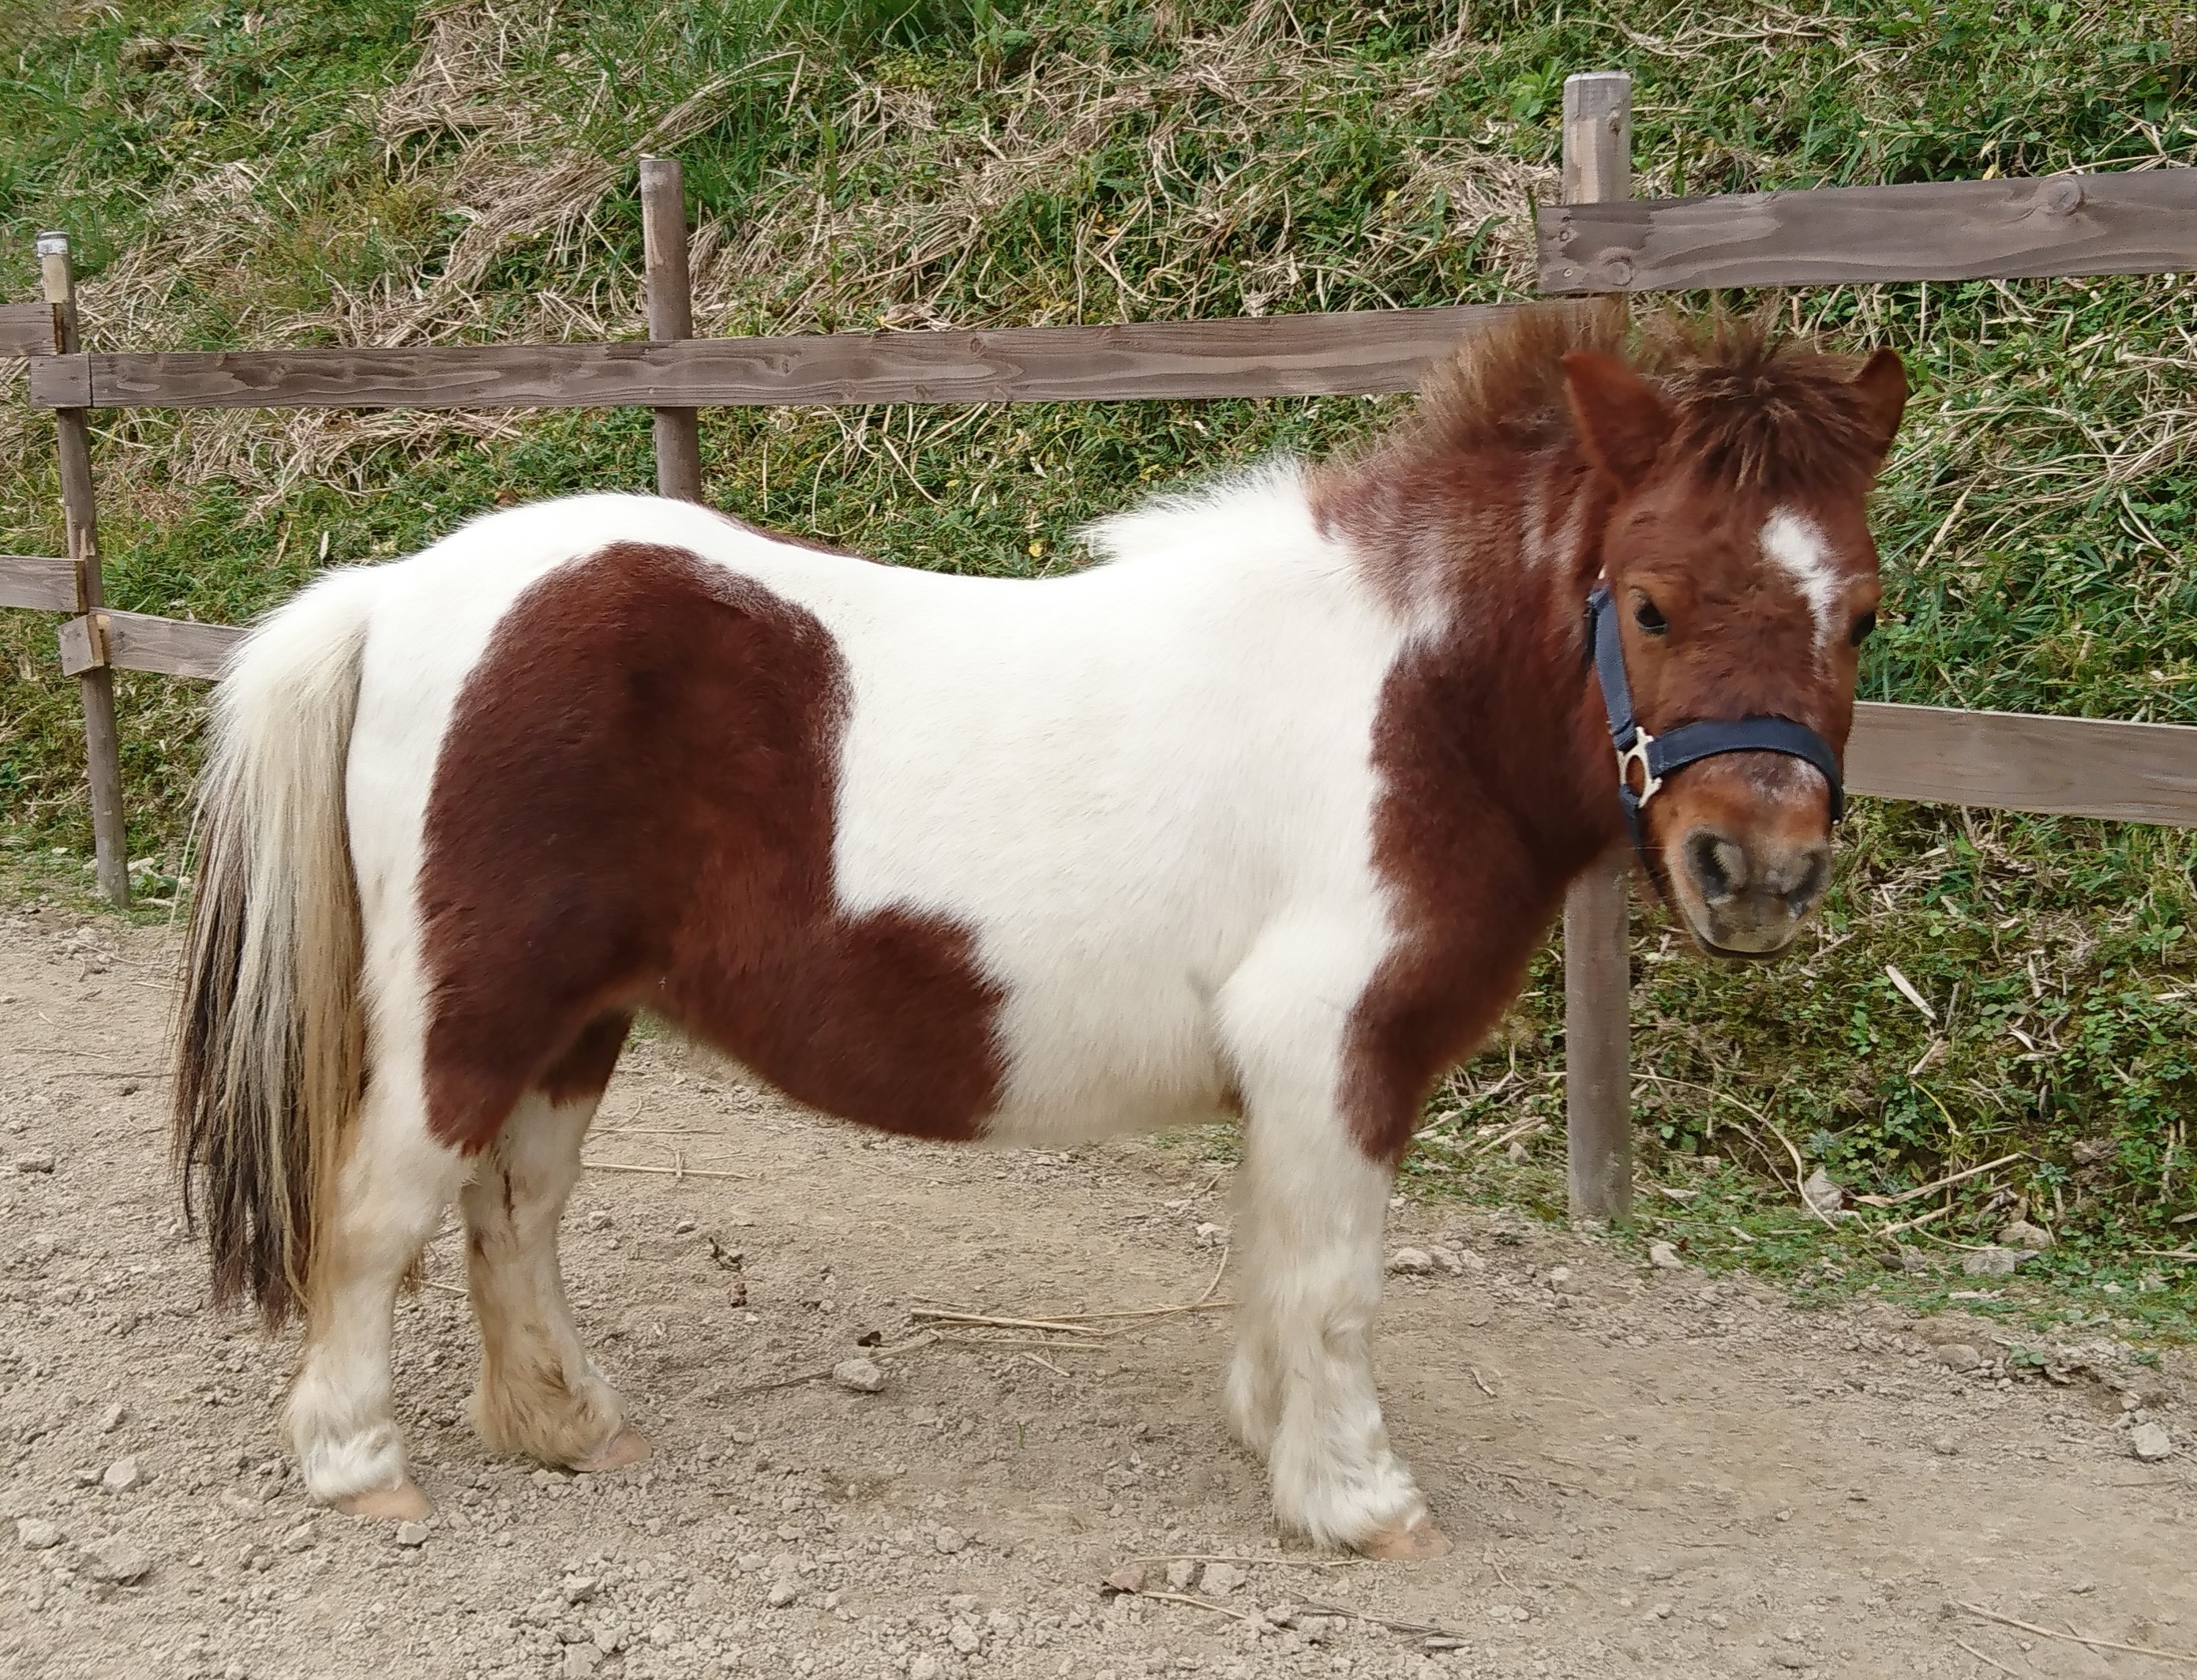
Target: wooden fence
1599,239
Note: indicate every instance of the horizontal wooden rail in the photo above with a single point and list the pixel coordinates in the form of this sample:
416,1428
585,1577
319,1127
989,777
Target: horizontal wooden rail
2136,221
2022,762
137,641
2004,760
25,329
1364,353
38,582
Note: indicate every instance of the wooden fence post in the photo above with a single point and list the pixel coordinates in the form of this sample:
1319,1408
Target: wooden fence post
101,744
671,315
1598,982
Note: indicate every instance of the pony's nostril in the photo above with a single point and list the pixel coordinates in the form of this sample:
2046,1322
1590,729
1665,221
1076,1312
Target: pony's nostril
1815,876
1718,866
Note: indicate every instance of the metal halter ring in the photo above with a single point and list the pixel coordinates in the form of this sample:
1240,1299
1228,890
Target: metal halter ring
1637,754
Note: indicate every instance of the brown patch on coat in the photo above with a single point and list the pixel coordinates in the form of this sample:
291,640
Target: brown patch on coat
588,1063
1497,788
633,808
1498,781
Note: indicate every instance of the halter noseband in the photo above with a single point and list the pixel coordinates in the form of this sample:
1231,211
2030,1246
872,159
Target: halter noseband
1658,755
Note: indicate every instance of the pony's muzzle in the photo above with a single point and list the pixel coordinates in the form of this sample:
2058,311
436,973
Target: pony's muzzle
1748,895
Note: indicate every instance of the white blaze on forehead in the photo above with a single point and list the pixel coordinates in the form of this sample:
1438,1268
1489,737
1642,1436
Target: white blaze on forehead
1796,543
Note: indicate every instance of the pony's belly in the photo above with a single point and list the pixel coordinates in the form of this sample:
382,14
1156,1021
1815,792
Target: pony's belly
1083,1066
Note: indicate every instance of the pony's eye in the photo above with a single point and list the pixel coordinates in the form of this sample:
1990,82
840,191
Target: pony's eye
1863,626
1648,616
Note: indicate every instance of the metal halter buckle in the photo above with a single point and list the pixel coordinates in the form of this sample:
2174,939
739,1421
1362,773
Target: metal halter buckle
1637,754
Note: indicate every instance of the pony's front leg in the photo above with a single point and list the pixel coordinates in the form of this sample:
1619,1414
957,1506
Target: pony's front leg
1312,1207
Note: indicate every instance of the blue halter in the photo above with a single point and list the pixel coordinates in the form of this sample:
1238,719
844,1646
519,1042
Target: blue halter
1658,755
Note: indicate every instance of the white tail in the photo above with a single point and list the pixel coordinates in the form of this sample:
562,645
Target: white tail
268,1045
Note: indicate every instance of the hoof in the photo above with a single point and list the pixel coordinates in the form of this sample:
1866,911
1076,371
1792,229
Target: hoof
626,1447
403,1501
1416,1540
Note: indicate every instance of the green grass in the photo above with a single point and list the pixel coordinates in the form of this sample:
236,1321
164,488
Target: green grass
287,175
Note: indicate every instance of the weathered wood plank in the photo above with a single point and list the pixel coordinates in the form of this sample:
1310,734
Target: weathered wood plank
102,740
137,641
41,583
2006,760
678,432
2136,222
25,329
1597,909
2020,762
1362,353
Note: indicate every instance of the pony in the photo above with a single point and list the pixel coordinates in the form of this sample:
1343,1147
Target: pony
1262,816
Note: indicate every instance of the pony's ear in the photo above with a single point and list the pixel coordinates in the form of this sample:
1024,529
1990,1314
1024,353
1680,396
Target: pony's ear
1622,423
1881,388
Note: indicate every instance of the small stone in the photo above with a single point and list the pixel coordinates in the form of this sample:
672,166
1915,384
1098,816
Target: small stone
599,1219
580,1588
1561,1281
1180,1574
40,1162
963,1638
581,1660
951,1540
1218,1578
299,1538
1992,1262
1824,1193
1665,1258
2150,1441
1446,1260
1958,1356
1790,1658
1129,1578
36,1534
111,1419
122,1475
1518,1155
118,1561
2021,1234
411,1533
781,1594
862,1375
925,1667
1944,1447
1416,1262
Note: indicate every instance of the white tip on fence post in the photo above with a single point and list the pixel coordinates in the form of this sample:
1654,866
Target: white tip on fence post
102,750
670,316
1597,978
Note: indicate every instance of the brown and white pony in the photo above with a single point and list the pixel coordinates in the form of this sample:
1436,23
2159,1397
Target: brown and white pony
1262,816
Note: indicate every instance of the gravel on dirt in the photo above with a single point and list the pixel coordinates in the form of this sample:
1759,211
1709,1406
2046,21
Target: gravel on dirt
1646,1470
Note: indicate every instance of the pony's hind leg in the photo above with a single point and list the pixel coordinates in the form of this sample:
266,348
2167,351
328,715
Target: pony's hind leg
540,1396
390,1194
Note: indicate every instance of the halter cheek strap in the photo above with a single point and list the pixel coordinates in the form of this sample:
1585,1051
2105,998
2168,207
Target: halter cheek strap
1658,755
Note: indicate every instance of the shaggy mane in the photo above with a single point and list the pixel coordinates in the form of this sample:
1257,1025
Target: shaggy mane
1756,409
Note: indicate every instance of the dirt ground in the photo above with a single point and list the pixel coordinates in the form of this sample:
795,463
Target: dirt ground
1645,1471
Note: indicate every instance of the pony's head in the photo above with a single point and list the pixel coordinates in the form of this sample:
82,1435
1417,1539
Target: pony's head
1742,580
